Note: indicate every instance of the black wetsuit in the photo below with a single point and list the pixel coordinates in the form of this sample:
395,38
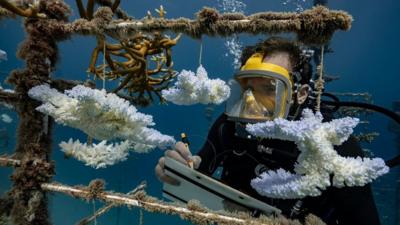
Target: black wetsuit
243,159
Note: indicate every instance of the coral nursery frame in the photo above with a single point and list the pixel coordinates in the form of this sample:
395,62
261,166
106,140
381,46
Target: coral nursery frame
46,23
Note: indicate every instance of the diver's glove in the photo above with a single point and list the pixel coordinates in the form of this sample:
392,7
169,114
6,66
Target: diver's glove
180,154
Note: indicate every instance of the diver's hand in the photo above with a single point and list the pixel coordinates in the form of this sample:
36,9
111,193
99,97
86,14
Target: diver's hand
180,154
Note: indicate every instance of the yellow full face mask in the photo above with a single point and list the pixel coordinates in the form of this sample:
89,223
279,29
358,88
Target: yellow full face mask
261,91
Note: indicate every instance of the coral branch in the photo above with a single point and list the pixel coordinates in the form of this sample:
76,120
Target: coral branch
194,88
30,12
4,13
136,76
98,155
318,165
102,116
8,97
81,8
115,5
8,162
90,9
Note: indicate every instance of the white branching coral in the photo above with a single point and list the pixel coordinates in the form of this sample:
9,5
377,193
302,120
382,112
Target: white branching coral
6,90
196,88
6,118
317,161
104,117
98,155
3,55
101,115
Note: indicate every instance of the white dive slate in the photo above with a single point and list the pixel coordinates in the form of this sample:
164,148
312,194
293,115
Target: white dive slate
208,191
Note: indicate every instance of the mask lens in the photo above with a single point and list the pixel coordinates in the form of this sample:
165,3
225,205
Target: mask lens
257,98
252,107
263,90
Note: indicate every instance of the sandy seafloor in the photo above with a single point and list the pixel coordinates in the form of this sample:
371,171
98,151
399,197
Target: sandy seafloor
366,58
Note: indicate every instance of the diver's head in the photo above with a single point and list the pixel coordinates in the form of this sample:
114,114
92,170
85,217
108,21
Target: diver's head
272,82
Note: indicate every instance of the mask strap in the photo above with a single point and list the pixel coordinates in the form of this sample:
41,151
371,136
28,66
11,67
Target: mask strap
297,77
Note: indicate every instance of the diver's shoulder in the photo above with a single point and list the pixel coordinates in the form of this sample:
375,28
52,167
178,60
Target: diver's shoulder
222,118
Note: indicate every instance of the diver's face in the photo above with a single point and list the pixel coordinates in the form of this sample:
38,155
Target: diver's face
263,90
263,86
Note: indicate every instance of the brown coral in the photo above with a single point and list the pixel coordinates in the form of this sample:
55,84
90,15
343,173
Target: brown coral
137,78
32,11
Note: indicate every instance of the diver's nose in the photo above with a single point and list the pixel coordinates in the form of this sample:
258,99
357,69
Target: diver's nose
249,97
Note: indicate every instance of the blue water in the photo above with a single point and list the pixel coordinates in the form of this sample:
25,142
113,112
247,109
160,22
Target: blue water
366,58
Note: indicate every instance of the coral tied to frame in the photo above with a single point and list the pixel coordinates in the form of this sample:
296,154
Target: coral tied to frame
317,161
196,88
98,155
103,116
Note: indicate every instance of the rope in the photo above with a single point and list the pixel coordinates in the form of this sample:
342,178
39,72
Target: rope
104,64
94,212
201,52
319,84
141,217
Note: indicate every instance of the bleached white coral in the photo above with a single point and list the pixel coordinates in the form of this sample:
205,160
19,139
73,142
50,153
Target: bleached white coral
196,88
98,155
317,160
3,55
101,115
6,118
6,90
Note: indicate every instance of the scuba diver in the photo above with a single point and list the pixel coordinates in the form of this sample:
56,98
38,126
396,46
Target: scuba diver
273,82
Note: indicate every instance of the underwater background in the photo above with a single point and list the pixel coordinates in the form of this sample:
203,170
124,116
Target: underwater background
366,58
